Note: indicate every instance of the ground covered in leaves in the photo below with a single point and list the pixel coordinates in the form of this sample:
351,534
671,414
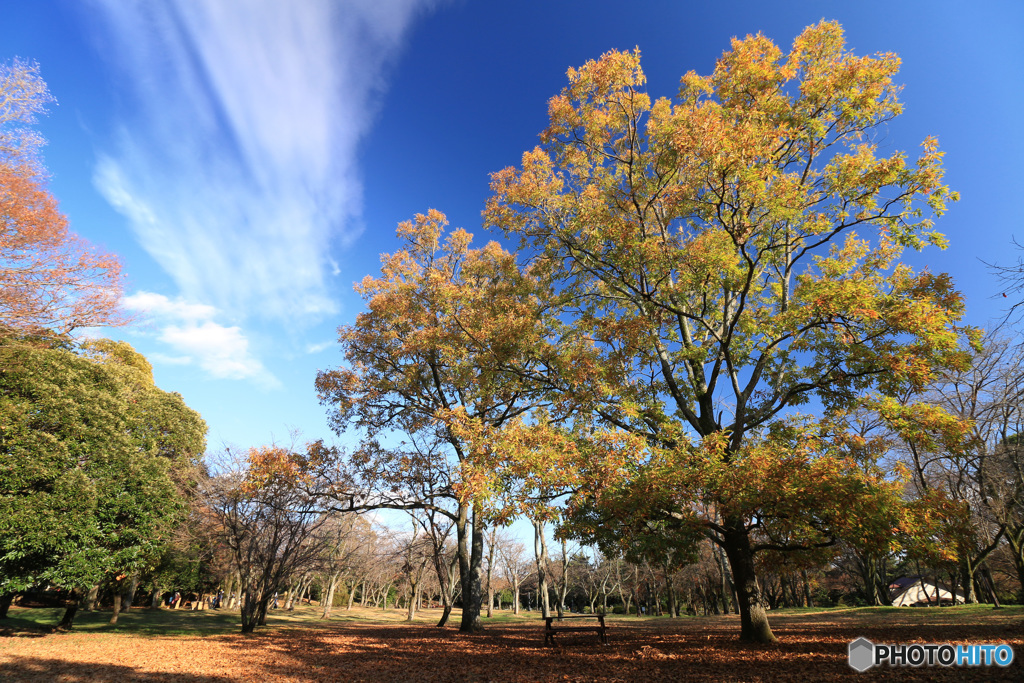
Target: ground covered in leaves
364,645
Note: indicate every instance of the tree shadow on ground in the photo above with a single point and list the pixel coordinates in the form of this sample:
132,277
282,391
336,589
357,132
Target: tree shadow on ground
31,669
664,650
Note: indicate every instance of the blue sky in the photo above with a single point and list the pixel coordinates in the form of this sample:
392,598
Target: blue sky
250,159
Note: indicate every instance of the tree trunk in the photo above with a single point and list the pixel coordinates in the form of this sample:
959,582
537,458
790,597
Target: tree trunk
68,620
415,587
447,590
673,609
289,603
236,595
262,614
563,584
248,611
471,550
636,590
352,594
754,625
808,601
490,572
158,597
1015,537
967,570
90,599
728,588
991,586
129,594
540,551
5,604
329,600
117,606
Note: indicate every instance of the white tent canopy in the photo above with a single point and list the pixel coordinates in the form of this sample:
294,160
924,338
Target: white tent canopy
915,591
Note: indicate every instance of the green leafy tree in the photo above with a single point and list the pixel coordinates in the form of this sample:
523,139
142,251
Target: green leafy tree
89,454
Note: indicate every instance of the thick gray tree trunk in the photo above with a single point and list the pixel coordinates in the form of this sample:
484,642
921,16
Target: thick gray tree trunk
471,551
754,625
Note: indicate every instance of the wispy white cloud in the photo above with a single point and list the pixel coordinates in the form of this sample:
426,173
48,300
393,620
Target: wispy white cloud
164,359
191,331
238,171
160,305
317,348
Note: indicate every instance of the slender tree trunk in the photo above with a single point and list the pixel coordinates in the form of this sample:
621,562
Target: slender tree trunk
5,604
673,610
448,590
624,595
329,601
414,588
446,612
637,588
289,602
967,577
117,605
563,584
471,550
991,586
490,572
68,620
727,587
1015,537
129,594
754,625
808,602
351,594
540,551
236,597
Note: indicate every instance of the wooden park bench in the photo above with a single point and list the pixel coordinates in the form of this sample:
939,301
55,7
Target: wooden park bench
550,629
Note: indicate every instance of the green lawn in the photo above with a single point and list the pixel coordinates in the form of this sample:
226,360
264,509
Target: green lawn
166,622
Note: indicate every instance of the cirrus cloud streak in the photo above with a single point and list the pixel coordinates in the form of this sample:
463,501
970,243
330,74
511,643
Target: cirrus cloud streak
237,167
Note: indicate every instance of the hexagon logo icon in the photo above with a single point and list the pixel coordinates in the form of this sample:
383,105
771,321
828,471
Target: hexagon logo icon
862,654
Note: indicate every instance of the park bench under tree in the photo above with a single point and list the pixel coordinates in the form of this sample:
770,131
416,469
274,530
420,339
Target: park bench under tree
550,627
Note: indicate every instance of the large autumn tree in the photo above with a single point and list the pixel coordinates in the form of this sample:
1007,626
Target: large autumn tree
426,363
734,256
50,278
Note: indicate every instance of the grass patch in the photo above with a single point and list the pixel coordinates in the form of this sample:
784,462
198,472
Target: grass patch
167,622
